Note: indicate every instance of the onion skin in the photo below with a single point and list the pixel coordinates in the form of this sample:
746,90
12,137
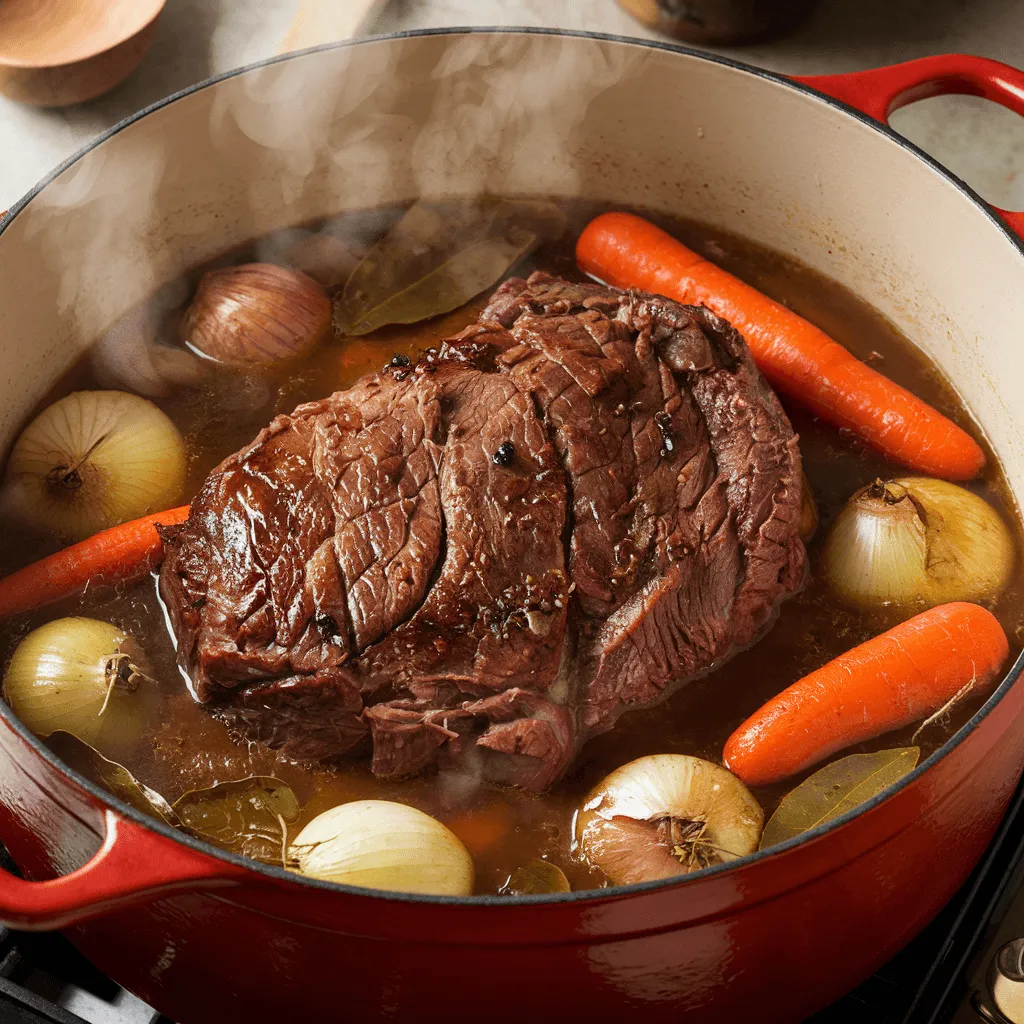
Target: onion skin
913,543
379,844
93,460
621,824
256,314
59,679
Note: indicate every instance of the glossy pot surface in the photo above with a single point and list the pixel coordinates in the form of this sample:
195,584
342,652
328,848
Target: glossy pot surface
207,938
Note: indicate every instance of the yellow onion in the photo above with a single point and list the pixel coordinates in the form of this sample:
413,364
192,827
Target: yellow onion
665,815
256,314
915,542
383,845
77,675
93,460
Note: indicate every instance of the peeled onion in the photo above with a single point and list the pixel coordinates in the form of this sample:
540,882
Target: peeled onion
256,314
383,845
93,460
666,815
78,675
915,542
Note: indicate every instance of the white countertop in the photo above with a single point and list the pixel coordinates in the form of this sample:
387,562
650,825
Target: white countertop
198,38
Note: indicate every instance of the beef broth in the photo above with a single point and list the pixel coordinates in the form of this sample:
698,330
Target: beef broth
181,747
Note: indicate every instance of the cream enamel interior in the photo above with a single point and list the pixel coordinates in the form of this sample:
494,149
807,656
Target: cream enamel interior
513,113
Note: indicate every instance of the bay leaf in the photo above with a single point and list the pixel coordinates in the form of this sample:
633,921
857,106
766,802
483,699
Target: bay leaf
113,777
245,816
836,789
536,877
440,255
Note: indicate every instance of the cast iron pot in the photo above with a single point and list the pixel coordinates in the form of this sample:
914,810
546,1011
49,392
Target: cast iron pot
209,938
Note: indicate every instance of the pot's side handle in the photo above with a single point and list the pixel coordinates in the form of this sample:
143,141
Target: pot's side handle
880,91
134,865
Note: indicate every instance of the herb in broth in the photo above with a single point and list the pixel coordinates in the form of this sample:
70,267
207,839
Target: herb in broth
250,816
536,878
438,257
835,789
77,754
177,746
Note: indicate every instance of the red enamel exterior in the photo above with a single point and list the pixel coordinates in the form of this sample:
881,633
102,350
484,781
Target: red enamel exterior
880,91
208,940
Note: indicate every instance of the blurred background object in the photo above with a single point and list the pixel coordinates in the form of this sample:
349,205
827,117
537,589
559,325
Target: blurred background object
58,52
327,21
720,21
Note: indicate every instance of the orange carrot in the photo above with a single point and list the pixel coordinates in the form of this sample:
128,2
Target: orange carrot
904,675
800,360
125,552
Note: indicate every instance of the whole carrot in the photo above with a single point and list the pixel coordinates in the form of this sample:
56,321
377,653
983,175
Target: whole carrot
800,360
902,676
124,552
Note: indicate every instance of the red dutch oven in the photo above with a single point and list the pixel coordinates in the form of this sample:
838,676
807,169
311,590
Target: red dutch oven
808,167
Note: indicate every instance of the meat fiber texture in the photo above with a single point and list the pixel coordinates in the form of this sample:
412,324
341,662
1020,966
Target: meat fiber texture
577,505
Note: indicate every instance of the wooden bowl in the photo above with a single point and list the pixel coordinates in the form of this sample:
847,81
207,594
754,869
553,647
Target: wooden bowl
57,52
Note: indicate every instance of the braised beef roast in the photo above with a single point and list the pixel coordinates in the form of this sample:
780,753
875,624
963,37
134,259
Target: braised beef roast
573,507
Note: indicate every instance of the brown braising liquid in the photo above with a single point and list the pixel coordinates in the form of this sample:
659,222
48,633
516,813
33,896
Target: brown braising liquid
180,747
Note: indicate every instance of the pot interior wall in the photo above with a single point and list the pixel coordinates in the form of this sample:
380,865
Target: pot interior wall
461,114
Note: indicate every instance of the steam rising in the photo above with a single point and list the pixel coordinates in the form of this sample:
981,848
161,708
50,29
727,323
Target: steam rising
305,139
130,356
492,114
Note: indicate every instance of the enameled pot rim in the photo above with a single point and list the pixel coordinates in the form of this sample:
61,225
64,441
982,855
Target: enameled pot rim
588,895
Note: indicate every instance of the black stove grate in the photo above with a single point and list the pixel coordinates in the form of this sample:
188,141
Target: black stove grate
45,980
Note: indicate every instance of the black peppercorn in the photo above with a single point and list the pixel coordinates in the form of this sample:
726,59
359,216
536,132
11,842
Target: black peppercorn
664,423
505,454
325,624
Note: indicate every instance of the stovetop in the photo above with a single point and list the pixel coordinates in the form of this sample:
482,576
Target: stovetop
942,977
